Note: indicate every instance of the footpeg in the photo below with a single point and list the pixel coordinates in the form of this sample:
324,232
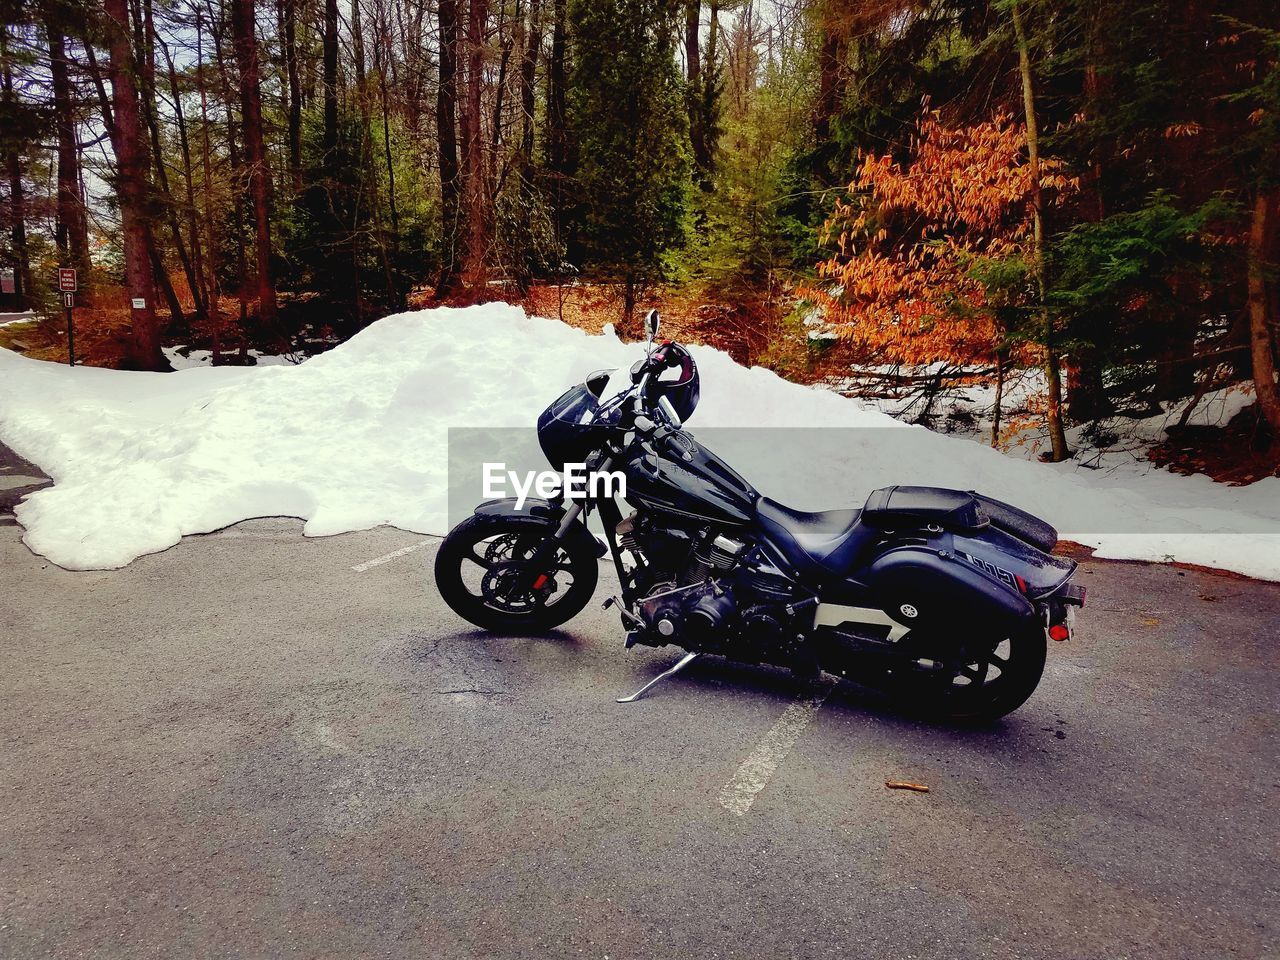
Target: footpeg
671,671
629,619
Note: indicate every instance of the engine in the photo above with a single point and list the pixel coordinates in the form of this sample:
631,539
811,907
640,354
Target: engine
710,592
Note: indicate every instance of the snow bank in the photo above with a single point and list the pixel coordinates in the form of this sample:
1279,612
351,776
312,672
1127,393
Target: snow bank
965,409
357,437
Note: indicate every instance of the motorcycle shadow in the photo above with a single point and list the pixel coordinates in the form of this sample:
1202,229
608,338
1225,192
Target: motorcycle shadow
488,636
708,674
843,695
470,643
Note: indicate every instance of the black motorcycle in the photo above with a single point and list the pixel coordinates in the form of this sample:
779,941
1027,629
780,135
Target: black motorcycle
941,598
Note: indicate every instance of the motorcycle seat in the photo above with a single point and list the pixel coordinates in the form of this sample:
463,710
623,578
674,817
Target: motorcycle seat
897,507
828,541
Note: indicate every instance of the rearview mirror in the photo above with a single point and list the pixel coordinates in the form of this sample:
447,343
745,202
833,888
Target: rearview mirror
651,325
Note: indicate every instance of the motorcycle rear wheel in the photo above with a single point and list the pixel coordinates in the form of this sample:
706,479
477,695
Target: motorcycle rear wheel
476,573
977,683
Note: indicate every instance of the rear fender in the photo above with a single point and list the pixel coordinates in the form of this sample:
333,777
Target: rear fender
1014,562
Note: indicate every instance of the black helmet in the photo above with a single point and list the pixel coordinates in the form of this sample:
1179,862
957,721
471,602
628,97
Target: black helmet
678,379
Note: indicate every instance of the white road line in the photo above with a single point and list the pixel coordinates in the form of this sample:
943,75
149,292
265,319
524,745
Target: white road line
753,775
388,557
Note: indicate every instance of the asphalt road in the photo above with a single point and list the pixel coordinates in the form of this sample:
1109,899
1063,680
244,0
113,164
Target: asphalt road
260,745
18,477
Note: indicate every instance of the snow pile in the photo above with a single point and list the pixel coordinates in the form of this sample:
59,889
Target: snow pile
965,405
357,437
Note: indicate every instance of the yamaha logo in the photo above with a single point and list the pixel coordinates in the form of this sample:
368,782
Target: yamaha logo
908,611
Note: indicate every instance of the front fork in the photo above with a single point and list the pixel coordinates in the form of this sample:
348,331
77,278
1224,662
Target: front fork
537,570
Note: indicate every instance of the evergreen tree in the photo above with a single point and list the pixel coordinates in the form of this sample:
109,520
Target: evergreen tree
630,131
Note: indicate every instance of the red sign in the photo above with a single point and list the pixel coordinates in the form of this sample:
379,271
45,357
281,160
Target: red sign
67,280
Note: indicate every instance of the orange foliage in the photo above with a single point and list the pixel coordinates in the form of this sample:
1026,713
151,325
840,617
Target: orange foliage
900,284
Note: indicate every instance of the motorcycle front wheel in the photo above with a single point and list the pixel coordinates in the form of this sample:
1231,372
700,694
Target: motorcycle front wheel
479,572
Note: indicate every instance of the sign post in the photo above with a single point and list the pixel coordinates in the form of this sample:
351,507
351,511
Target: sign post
67,285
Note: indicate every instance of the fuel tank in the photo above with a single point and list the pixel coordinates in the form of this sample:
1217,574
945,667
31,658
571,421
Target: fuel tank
679,475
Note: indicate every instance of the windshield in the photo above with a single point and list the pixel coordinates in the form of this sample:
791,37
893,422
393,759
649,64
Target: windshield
576,406
567,430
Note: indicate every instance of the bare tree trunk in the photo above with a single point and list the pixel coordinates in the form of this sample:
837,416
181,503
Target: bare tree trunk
500,87
72,234
237,184
163,283
213,288
830,65
145,26
196,276
329,141
367,174
999,399
362,168
309,66
17,198
1053,375
1262,320
246,44
713,33
557,145
382,52
131,188
160,277
694,94
630,294
1086,393
528,72
18,231
473,154
446,126
692,43
290,41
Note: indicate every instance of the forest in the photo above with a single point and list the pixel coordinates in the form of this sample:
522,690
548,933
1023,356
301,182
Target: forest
1087,188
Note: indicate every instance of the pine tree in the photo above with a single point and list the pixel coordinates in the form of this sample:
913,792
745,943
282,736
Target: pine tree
630,131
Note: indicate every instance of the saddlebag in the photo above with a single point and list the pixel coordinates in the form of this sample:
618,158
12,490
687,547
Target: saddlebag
924,587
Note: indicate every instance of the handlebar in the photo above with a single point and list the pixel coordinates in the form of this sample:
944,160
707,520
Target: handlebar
645,415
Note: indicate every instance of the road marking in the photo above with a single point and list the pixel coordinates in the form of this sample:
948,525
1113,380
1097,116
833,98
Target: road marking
753,775
388,557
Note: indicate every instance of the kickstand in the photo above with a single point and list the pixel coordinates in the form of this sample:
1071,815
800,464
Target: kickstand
687,659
